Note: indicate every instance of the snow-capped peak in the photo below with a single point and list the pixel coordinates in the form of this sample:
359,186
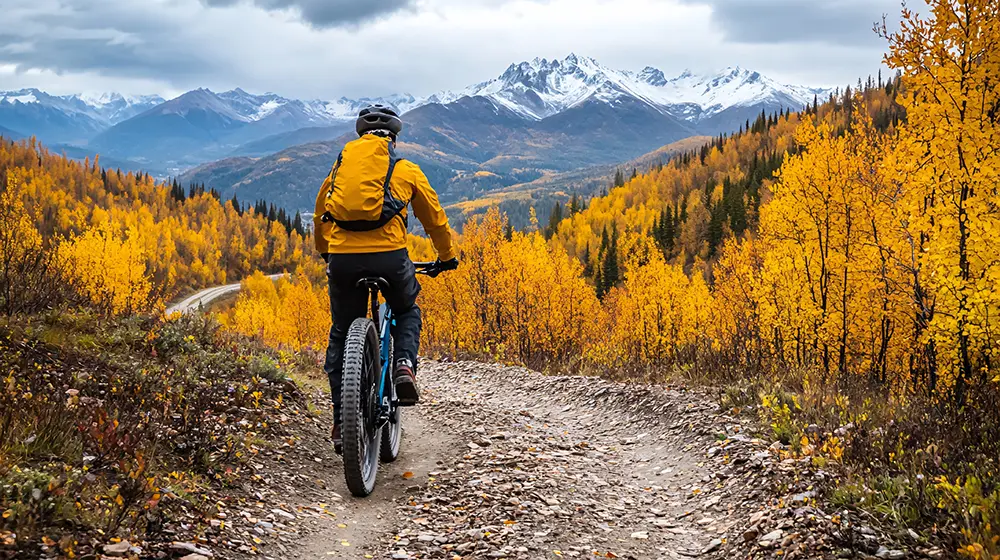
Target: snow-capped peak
21,96
542,87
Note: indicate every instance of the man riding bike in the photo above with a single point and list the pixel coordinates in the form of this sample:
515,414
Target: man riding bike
360,225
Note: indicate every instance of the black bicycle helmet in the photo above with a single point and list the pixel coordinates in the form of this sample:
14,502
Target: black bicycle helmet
379,117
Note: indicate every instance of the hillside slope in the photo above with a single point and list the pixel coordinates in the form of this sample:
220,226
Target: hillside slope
558,188
467,148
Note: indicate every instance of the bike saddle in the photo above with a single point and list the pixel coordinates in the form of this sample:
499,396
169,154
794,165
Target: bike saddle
374,282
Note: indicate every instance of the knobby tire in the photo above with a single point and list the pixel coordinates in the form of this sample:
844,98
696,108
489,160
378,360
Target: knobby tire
361,371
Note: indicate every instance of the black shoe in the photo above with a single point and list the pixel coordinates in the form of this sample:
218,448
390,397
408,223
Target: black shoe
406,384
338,441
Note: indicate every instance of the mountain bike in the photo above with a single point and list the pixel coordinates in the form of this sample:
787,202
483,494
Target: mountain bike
372,427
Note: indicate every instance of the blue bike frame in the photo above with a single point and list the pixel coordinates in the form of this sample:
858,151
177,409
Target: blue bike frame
385,322
385,338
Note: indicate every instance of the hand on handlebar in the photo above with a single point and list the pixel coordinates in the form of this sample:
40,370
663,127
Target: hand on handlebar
437,267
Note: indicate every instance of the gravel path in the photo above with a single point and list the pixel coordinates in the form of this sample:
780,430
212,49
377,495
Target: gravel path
503,462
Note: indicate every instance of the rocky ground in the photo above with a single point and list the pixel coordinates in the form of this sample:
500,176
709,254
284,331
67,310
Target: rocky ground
502,462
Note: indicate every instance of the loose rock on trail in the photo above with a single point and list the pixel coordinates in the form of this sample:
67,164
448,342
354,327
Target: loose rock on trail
502,462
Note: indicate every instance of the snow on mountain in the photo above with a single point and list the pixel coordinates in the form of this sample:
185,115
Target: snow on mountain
541,88
115,107
107,108
345,109
18,97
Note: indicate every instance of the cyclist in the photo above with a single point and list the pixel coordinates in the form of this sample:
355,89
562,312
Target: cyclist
360,225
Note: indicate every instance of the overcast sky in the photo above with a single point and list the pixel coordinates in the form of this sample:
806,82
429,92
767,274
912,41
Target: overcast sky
330,48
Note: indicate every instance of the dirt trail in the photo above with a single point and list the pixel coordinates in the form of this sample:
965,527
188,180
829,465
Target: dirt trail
506,463
200,299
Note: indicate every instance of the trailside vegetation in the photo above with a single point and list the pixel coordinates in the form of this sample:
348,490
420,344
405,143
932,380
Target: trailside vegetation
838,265
127,242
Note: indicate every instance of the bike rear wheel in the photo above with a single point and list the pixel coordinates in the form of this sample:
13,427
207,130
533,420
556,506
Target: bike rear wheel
360,412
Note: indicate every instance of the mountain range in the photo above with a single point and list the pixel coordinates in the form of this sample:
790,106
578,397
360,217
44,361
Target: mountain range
69,118
538,117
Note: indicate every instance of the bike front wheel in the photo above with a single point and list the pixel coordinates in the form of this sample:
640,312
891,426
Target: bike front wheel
360,412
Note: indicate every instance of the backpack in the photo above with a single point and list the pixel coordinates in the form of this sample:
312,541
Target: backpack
360,197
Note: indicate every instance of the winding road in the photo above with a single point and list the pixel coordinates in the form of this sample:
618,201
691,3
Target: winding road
200,299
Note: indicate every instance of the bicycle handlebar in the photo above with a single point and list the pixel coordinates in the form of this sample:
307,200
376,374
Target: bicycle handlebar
432,269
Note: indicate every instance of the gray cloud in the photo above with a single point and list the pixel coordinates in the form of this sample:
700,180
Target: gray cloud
315,48
112,38
327,13
835,22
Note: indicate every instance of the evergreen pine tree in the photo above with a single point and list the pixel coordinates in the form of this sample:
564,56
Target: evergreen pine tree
669,231
609,273
554,219
715,230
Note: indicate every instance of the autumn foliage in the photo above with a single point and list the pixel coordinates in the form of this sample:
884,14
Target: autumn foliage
127,242
849,252
290,313
518,299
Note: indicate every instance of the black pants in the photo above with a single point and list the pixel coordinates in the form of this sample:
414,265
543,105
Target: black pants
349,302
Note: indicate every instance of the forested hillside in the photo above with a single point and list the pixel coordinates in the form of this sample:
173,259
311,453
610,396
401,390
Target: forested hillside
123,233
691,205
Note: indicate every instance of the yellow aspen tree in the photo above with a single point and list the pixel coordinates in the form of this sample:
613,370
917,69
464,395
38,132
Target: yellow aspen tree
109,269
951,62
304,320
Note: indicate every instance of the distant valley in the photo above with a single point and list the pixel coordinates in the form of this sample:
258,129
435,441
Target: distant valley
537,120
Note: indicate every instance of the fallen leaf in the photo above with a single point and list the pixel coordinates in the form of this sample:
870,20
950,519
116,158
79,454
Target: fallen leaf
408,475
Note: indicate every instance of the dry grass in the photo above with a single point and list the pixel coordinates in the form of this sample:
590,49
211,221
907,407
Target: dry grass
110,428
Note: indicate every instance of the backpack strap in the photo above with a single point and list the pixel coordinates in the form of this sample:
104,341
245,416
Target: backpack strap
333,173
327,217
392,204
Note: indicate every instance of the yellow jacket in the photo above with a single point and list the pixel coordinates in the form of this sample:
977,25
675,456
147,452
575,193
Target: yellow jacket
408,184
